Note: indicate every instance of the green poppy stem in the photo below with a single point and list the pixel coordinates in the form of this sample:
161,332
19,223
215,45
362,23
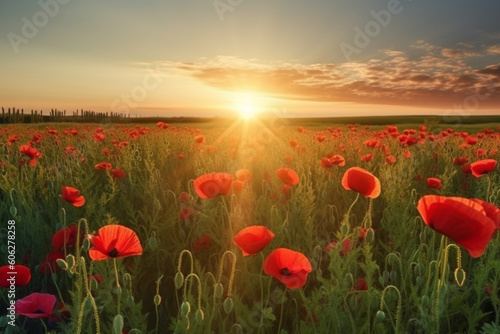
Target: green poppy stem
118,288
348,213
282,307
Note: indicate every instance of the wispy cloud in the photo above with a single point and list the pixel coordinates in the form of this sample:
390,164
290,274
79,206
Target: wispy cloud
436,77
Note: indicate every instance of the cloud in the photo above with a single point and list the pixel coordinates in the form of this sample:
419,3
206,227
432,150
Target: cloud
438,77
494,49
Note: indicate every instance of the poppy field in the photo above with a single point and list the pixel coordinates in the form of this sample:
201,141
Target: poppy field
253,228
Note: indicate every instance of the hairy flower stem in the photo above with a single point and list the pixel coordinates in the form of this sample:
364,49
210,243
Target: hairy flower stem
233,268
88,296
398,310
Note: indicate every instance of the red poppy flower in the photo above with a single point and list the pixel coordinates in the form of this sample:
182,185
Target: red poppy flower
36,305
361,285
186,213
238,186
390,159
460,161
19,275
212,185
65,236
464,221
199,139
286,190
253,239
243,175
288,176
361,181
184,197
118,173
326,163
346,247
433,182
491,210
98,137
481,167
72,196
103,166
48,265
31,152
202,243
288,266
114,241
367,157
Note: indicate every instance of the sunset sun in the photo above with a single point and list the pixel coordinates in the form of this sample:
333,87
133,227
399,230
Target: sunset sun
247,106
247,110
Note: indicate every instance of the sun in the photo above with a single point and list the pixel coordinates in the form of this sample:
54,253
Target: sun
247,111
247,106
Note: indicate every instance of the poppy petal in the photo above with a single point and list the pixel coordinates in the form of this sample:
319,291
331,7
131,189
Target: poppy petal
462,220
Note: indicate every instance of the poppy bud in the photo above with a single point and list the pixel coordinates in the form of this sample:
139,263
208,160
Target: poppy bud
185,309
157,300
199,316
62,264
152,242
381,280
385,274
93,283
370,235
71,262
393,276
118,324
349,280
425,301
380,316
419,280
228,305
178,280
13,210
86,244
218,290
344,229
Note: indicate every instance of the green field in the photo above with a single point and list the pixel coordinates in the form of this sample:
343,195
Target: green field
376,265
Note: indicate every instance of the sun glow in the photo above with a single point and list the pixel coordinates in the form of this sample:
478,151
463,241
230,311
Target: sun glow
247,106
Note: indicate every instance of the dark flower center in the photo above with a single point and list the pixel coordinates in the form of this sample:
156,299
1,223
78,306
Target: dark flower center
113,252
285,272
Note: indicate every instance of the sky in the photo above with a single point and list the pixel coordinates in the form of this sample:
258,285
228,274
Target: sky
289,58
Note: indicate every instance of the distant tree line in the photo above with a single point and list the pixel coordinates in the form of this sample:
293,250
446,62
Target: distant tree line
13,115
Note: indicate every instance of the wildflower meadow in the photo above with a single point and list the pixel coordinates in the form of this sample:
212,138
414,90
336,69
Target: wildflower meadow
255,227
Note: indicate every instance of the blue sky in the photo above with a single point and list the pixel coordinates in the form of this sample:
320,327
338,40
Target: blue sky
216,57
